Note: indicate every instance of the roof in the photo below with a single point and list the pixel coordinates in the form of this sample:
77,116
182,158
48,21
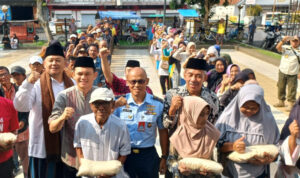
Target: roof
119,14
188,12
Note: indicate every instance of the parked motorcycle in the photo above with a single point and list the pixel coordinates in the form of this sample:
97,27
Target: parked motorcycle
279,36
272,34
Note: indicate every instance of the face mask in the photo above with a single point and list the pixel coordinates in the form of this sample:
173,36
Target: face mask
212,59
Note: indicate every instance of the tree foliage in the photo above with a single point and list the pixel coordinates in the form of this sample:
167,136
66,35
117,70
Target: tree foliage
175,5
254,10
206,6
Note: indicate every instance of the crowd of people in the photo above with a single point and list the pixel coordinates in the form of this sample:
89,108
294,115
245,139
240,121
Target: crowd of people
72,106
10,43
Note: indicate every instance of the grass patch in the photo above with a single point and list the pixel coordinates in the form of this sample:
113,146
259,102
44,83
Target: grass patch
139,44
34,44
262,51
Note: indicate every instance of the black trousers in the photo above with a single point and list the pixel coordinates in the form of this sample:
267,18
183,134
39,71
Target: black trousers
163,80
6,168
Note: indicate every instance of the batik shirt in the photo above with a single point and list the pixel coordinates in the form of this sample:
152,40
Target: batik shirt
210,97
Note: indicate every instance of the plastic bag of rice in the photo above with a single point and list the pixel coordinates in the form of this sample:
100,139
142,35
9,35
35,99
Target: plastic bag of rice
255,150
97,168
7,137
198,164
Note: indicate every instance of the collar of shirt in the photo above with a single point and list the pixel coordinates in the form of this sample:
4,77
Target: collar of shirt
81,93
58,83
146,100
106,124
184,90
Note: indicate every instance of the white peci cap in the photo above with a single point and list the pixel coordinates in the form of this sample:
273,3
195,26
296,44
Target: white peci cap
35,59
103,94
73,35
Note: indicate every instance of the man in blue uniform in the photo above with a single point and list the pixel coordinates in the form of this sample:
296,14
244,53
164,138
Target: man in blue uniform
142,115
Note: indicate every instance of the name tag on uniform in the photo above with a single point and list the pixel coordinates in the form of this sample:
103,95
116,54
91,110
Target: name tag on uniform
126,110
141,126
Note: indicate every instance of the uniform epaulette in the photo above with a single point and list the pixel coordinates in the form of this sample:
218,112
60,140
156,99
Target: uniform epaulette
158,99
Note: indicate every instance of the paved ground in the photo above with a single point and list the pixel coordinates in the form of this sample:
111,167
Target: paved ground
266,73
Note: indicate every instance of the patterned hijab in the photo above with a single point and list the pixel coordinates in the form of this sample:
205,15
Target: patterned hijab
188,140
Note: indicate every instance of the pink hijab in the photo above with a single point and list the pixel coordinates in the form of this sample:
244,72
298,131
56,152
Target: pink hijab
188,140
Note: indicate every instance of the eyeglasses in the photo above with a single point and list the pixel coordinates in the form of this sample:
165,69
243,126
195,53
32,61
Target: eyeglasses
133,82
97,104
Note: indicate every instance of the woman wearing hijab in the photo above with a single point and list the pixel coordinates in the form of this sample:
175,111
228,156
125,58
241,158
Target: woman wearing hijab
250,73
289,164
182,54
227,58
235,86
215,76
163,72
211,56
247,121
194,136
231,71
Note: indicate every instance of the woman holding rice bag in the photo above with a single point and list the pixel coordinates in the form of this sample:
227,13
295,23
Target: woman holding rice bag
193,138
247,121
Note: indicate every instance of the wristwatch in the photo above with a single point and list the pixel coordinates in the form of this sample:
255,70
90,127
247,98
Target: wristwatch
164,157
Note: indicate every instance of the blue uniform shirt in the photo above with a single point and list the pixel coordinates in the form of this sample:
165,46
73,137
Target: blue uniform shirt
142,120
100,78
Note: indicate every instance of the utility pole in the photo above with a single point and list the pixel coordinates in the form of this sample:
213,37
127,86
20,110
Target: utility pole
164,17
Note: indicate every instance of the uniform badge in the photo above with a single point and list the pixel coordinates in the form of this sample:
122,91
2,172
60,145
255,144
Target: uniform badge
129,117
286,56
141,126
149,125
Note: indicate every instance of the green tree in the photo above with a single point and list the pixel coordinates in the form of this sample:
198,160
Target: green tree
206,6
175,5
254,10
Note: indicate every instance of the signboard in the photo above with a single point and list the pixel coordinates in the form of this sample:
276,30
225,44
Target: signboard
250,2
8,14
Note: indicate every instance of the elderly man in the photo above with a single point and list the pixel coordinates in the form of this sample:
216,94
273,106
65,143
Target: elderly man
194,75
69,105
37,95
118,85
142,115
104,130
288,71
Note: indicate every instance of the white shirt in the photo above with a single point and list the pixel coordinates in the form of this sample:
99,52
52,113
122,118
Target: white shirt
289,64
29,98
161,71
285,152
102,144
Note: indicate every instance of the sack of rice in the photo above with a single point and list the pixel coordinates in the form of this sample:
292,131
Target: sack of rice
198,164
7,137
251,151
97,168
